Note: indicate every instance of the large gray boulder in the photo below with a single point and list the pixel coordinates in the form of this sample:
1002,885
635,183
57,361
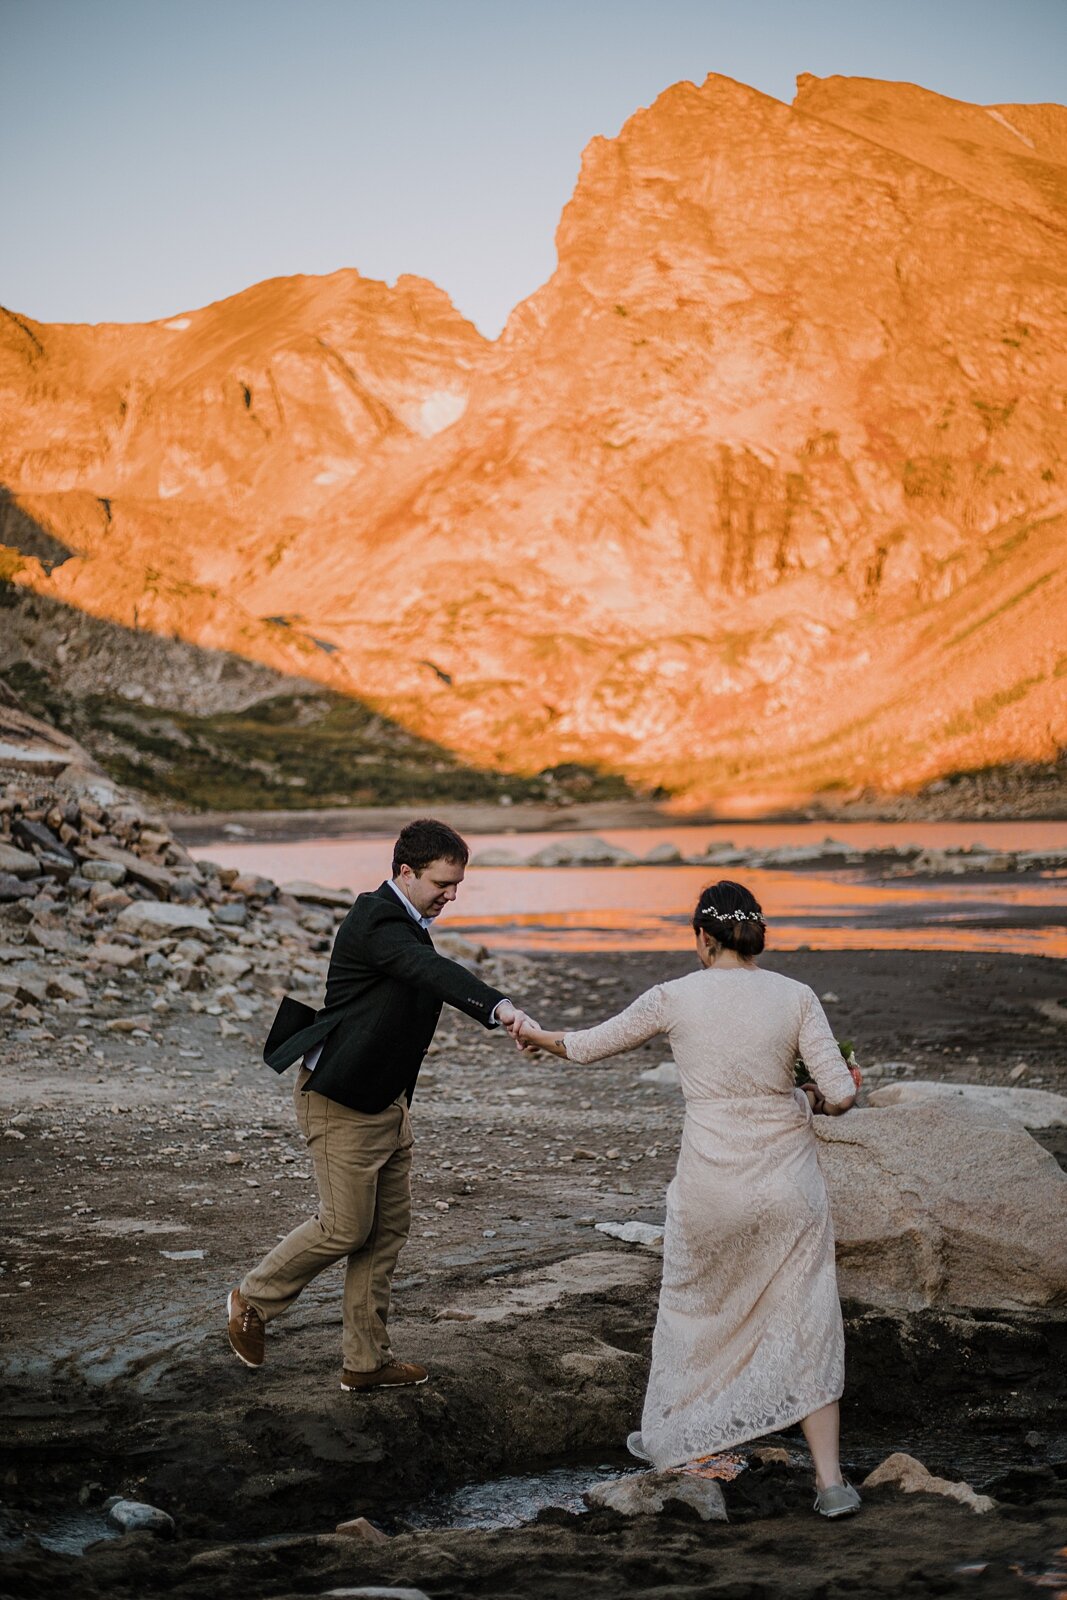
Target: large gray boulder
938,1204
1034,1108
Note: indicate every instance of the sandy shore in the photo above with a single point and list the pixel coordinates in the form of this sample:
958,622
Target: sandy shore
147,1169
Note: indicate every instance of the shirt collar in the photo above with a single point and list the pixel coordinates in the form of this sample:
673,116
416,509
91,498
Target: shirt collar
417,916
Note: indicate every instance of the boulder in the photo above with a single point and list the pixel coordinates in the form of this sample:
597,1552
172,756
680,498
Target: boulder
185,890
457,948
134,1516
157,918
666,1074
591,852
254,887
645,1494
721,855
1034,1108
147,873
115,955
228,967
19,863
189,950
939,1205
112,872
58,940
497,858
233,914
103,897
360,1528
647,1233
317,894
67,986
12,888
662,855
40,839
904,1472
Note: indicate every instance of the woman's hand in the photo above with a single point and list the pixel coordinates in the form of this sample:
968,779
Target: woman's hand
532,1038
528,1035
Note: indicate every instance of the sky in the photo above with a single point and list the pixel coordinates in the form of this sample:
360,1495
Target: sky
161,154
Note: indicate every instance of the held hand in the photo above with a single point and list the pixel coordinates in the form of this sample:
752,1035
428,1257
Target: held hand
528,1034
511,1017
857,1075
504,1013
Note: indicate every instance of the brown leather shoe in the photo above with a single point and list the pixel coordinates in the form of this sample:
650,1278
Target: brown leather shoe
246,1329
394,1375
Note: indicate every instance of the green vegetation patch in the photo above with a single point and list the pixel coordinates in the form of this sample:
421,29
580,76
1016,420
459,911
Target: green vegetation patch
288,751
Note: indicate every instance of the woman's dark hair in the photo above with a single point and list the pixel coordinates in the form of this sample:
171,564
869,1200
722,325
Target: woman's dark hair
427,840
731,915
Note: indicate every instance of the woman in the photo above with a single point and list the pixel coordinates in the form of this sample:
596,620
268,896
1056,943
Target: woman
748,1338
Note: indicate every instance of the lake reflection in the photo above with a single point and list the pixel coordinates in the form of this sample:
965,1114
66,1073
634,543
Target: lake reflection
610,908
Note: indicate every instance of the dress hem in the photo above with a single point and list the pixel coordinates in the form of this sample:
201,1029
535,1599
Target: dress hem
788,1421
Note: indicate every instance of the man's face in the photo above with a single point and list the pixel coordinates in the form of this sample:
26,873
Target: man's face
431,889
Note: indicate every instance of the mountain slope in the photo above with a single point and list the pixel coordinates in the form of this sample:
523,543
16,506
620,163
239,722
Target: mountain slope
762,493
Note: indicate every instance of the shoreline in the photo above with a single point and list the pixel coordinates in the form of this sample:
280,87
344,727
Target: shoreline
195,829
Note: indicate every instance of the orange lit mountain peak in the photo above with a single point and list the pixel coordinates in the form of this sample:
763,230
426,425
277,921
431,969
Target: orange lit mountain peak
763,488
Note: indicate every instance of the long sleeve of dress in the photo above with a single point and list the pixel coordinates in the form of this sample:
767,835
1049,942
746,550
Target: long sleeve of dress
640,1021
821,1055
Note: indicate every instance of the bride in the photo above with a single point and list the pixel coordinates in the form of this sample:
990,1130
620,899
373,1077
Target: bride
748,1337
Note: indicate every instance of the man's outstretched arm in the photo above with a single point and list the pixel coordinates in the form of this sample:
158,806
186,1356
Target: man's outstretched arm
392,950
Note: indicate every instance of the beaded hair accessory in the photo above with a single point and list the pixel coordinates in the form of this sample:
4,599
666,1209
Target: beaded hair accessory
730,916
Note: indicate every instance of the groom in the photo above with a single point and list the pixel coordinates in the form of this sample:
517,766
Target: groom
362,1053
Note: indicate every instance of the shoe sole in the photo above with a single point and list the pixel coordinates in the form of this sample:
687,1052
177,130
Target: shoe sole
846,1511
365,1388
255,1365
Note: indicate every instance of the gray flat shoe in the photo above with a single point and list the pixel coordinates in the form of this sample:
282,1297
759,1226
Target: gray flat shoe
838,1500
636,1447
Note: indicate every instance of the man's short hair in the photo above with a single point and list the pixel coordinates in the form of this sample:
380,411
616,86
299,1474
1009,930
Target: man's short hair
428,840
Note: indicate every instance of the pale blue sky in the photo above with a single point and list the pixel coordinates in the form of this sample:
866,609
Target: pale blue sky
159,154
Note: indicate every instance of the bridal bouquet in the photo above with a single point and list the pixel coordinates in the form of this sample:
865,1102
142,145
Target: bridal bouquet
801,1075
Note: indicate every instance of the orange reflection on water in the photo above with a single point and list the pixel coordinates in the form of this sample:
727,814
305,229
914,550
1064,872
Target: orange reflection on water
648,908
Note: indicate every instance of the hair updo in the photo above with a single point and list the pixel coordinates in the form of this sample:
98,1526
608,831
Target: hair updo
731,915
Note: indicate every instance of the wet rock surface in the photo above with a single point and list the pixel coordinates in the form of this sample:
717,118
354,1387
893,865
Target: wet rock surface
150,1158
646,1494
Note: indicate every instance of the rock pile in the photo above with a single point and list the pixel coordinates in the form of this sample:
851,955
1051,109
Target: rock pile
94,893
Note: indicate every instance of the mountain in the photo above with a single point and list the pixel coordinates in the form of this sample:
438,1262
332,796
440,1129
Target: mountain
761,496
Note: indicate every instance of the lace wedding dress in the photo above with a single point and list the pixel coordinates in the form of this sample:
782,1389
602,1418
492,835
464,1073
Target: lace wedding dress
748,1338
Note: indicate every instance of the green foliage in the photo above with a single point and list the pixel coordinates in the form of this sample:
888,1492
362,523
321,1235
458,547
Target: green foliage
801,1075
293,750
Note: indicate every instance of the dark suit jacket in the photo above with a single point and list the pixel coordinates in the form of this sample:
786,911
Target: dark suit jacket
384,991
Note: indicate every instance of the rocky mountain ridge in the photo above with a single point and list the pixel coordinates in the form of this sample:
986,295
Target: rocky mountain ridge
760,497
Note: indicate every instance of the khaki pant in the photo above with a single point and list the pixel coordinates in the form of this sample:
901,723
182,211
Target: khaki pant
363,1170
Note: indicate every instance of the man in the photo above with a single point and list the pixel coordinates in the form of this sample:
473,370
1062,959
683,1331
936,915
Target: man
362,1053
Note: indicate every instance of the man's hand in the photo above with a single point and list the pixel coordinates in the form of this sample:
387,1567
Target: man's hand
511,1017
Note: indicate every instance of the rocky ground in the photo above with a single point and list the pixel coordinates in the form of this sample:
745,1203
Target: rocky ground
149,1157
